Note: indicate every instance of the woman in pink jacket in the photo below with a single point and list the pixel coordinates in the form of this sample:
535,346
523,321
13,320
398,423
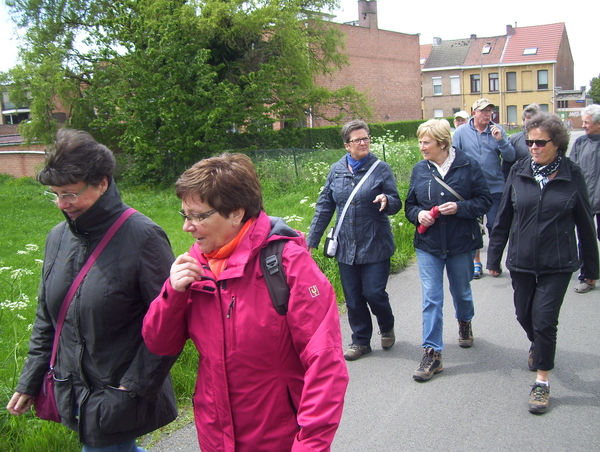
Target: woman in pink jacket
266,381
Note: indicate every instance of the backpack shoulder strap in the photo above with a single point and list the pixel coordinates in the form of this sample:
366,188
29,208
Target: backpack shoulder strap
272,267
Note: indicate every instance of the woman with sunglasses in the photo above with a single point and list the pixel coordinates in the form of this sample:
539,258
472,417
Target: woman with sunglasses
545,200
109,387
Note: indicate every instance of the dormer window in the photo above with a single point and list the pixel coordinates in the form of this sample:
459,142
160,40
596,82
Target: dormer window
486,50
530,51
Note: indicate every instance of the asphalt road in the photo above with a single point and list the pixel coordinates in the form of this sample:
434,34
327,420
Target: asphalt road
479,401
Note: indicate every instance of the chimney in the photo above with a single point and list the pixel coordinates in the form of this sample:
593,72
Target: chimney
367,13
509,30
473,36
437,41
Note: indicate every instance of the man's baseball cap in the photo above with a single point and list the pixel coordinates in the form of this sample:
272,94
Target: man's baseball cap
482,103
461,114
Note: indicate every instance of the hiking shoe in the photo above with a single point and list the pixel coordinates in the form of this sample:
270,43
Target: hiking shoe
430,364
539,399
530,360
356,351
388,339
584,287
465,334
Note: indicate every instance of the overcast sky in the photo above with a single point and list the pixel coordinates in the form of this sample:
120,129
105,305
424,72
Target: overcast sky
447,20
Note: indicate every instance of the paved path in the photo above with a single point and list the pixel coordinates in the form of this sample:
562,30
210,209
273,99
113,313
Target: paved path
479,401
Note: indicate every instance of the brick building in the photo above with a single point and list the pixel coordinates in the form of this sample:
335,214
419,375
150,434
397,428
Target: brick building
383,64
16,158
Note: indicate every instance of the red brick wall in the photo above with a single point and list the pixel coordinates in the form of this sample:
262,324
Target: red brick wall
385,66
20,163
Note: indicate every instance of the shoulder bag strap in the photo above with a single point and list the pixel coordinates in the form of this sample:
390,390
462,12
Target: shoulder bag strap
84,270
362,181
448,187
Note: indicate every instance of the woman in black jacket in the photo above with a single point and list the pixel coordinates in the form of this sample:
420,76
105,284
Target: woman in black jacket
448,240
544,201
109,388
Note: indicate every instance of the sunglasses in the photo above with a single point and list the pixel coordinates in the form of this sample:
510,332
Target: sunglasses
538,143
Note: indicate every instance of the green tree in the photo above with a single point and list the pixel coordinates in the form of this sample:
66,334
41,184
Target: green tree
595,89
169,81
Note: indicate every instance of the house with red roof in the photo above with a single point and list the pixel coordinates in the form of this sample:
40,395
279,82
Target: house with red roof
528,64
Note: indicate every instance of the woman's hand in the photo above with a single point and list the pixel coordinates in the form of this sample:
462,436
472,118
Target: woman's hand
425,218
19,403
184,271
494,272
383,200
448,208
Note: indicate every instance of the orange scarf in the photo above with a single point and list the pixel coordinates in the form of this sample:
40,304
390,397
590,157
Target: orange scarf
217,260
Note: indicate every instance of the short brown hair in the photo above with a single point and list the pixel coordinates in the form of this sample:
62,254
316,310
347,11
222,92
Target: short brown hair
226,183
75,157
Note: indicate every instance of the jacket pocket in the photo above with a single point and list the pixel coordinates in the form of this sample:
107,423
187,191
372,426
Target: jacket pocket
122,410
64,397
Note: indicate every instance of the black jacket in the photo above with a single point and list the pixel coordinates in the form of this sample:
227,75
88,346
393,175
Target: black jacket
541,223
101,345
450,234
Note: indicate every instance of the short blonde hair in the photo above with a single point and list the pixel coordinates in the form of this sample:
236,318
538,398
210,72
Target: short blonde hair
438,130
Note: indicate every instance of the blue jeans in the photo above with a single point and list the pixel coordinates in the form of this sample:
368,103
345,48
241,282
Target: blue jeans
127,446
459,269
364,287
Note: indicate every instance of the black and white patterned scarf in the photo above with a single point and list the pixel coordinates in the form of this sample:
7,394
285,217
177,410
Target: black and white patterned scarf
541,173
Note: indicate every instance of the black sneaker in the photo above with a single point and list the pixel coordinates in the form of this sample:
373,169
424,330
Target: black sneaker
356,351
430,364
539,399
465,334
388,339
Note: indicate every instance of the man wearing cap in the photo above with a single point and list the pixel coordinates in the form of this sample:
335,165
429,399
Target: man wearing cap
586,153
488,144
460,118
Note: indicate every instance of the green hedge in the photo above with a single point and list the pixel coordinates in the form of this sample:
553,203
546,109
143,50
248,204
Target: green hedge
311,138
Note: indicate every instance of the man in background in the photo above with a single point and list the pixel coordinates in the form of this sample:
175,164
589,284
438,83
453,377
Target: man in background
487,143
586,153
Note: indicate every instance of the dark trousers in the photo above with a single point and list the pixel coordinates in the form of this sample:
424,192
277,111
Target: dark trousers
364,286
537,305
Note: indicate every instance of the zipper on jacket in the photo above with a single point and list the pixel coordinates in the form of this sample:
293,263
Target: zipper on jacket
230,306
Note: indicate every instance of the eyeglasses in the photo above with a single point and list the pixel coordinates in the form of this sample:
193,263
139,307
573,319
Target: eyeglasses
196,218
365,140
71,198
538,143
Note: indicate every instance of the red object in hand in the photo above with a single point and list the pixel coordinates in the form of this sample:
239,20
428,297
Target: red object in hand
434,212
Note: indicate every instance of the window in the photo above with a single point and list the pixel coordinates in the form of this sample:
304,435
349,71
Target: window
530,51
437,86
543,79
563,104
454,84
544,108
475,83
511,81
494,85
486,49
438,113
422,60
511,114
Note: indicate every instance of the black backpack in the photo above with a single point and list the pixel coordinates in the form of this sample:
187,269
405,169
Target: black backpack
270,262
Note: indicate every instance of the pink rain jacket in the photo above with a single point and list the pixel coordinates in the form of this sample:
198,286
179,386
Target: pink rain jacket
266,382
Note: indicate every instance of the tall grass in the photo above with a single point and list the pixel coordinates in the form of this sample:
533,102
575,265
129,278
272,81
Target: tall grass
291,187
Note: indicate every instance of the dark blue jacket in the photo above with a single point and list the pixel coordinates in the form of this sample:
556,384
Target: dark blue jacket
450,234
366,235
